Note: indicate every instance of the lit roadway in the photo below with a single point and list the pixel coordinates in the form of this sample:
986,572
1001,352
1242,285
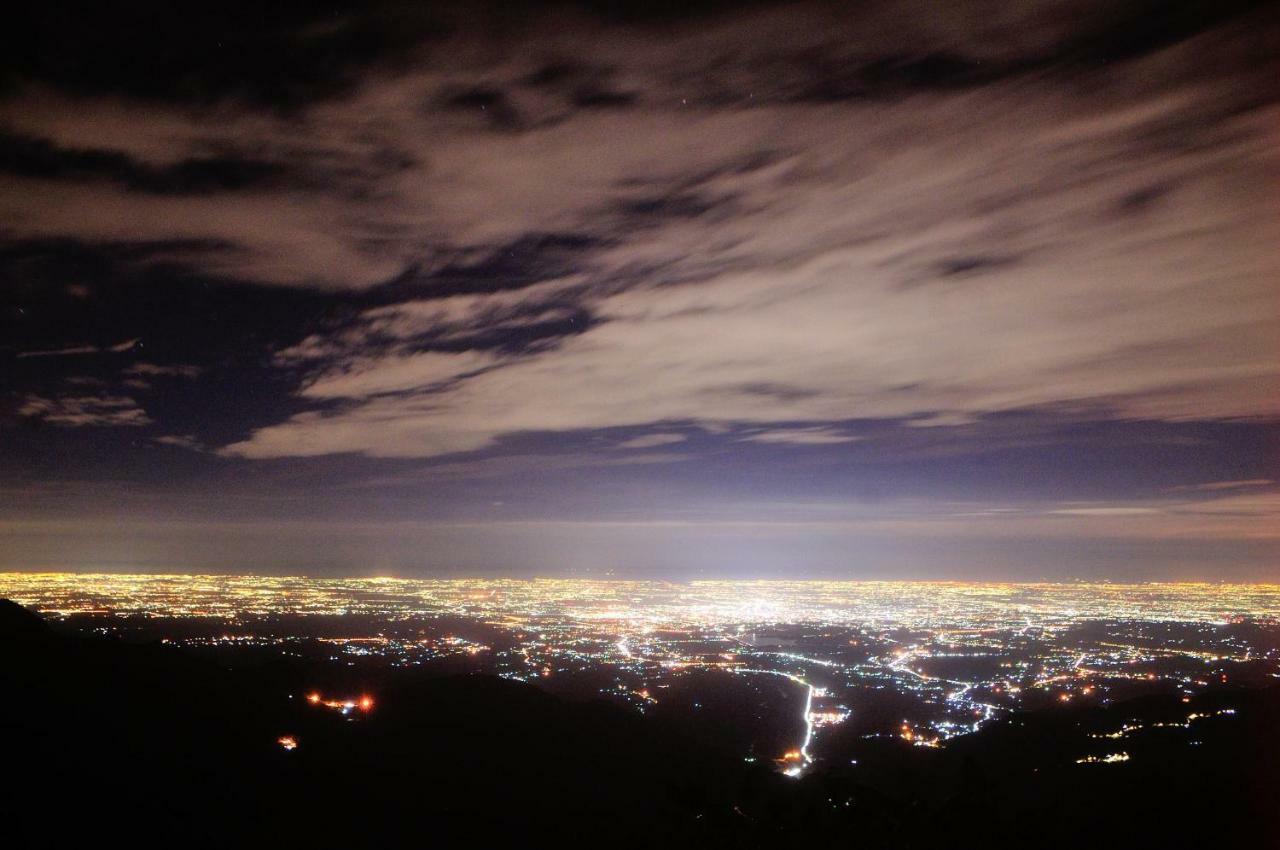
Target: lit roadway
808,720
899,665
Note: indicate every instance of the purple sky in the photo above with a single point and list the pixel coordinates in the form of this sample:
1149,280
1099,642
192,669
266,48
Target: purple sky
888,289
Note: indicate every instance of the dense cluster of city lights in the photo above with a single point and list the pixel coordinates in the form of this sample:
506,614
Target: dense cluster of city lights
957,654
641,602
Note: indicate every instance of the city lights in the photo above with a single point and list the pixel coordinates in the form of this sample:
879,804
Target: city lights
955,656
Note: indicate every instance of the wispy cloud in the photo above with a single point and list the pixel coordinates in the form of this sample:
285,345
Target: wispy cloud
1105,511
182,441
802,436
1218,486
82,411
649,441
118,348
173,370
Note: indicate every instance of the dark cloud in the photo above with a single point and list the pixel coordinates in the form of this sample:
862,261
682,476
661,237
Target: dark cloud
662,207
280,54
490,105
528,260
895,76
1142,200
1122,31
595,98
964,266
27,157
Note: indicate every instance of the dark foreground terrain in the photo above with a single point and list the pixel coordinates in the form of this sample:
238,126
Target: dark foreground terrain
106,741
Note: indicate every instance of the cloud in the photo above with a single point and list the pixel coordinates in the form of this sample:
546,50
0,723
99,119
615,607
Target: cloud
367,377
81,411
402,173
175,370
182,441
932,230
649,441
1105,511
1246,506
1217,486
118,348
501,466
802,437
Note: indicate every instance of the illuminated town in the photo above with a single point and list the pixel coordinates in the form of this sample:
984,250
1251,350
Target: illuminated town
811,667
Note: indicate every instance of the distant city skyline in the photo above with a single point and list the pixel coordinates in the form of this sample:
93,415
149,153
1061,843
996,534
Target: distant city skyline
632,290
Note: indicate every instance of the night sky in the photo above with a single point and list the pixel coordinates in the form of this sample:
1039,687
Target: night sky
882,289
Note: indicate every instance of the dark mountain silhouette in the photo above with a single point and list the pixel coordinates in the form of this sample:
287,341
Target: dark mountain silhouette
146,744
16,621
